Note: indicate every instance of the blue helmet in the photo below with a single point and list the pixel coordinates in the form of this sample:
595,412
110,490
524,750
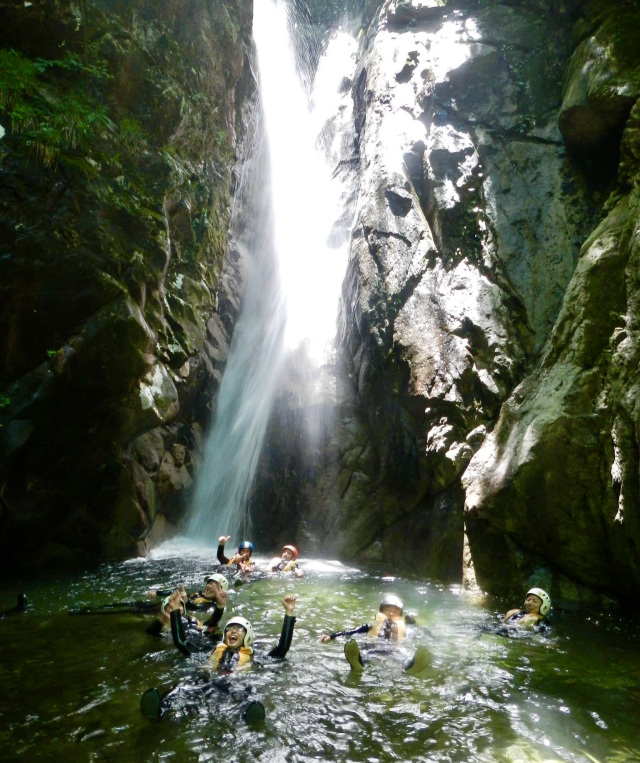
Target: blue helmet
246,544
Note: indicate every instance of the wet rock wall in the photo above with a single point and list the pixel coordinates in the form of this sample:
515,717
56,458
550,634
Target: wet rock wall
121,123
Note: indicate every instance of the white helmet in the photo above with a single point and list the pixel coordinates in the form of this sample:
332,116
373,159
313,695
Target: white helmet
546,599
242,621
391,600
220,579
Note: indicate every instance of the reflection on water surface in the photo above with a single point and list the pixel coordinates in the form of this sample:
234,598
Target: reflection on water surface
72,685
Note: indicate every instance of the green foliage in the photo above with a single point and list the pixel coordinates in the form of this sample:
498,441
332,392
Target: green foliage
52,114
4,401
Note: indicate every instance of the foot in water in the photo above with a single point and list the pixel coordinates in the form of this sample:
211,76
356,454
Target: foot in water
254,713
420,662
352,653
151,704
21,606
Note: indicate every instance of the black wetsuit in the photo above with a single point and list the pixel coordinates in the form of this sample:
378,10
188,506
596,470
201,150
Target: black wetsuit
184,642
196,602
385,632
509,627
202,637
219,692
223,559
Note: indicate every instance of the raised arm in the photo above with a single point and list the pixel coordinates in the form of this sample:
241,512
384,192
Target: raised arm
179,637
222,540
286,634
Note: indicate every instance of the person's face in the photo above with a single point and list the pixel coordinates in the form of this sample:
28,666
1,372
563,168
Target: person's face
244,554
212,589
391,611
532,604
234,636
287,555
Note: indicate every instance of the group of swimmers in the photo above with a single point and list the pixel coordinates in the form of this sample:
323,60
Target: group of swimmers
232,647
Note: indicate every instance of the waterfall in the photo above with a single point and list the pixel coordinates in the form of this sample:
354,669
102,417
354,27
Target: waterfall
295,249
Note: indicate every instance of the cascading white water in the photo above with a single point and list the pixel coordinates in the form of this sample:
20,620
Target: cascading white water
295,276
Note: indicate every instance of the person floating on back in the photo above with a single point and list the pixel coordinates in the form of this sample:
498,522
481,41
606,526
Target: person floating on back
213,594
212,599
242,560
389,624
537,604
233,654
286,563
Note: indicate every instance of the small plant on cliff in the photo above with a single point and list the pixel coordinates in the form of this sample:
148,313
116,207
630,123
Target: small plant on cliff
49,105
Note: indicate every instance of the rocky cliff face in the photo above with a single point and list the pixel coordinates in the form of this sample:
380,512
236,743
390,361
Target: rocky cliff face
487,140
120,123
554,488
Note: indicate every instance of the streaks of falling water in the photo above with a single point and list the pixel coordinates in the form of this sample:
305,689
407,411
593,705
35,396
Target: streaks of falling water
296,264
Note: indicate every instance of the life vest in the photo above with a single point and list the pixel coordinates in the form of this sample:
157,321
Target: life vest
282,565
199,600
240,659
239,560
382,628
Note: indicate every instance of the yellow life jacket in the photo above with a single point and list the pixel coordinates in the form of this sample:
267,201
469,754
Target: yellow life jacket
274,565
200,600
237,559
379,624
244,656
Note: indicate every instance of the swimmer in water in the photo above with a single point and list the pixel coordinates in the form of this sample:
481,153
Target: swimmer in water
389,624
242,560
537,604
286,563
233,654
213,599
214,593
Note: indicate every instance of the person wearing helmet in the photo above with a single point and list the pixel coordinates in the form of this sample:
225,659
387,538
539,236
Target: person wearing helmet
286,562
537,604
213,599
234,654
242,559
235,650
389,624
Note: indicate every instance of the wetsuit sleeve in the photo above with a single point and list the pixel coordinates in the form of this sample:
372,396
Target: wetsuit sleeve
362,629
214,620
164,591
178,634
286,634
220,554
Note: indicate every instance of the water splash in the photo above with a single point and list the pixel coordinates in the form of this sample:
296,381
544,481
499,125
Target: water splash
296,252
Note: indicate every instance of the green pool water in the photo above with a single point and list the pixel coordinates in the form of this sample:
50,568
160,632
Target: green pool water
71,685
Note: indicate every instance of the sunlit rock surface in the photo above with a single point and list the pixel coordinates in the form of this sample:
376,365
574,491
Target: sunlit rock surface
471,215
554,489
120,129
